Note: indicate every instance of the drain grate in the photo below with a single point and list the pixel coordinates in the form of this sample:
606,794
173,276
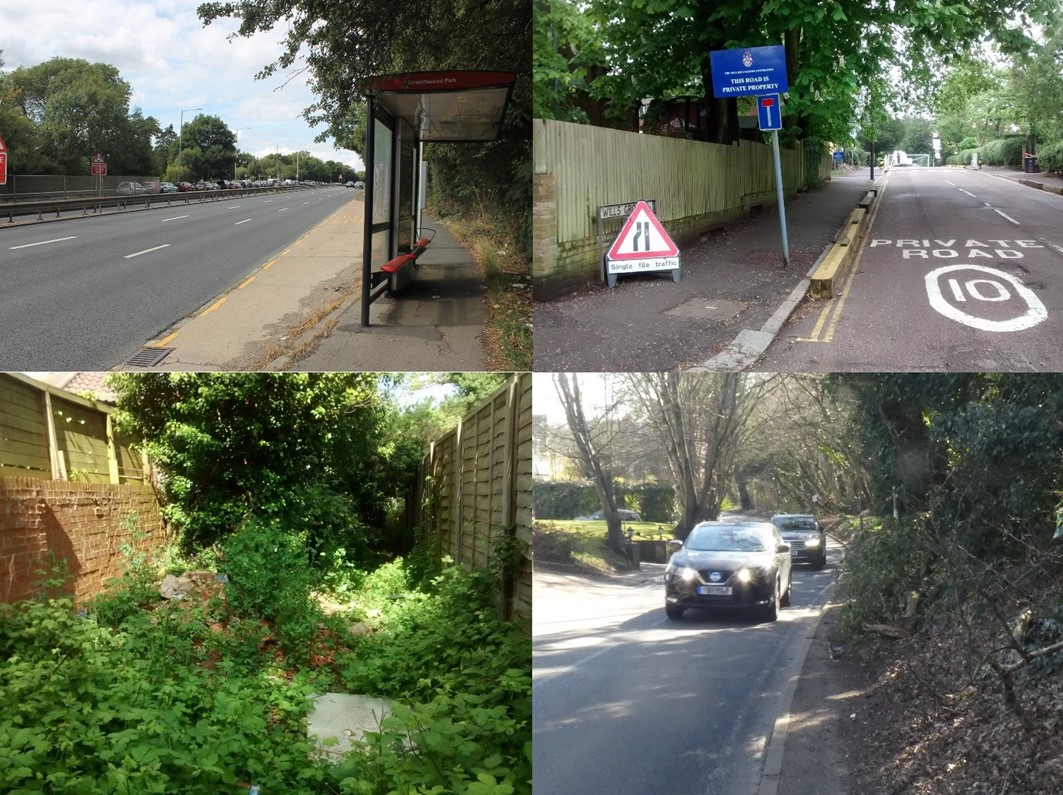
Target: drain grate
149,357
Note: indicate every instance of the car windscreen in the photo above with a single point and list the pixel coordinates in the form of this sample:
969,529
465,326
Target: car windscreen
795,524
726,539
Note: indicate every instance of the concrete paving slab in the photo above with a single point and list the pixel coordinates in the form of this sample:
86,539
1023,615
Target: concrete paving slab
302,311
345,718
434,324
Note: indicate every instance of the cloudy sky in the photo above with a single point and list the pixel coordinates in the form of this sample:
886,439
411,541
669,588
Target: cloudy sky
173,63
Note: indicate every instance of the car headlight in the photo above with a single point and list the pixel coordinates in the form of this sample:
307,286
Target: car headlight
744,575
684,573
812,542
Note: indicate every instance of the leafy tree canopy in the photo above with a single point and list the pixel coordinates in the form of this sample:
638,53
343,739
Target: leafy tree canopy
320,453
65,110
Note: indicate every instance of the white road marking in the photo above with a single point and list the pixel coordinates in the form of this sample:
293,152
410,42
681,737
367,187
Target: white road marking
1034,314
233,207
1057,248
1005,216
968,193
175,218
953,184
147,251
44,242
282,209
242,222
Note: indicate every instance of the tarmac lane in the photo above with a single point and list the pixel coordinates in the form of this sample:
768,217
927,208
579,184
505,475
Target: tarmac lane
959,270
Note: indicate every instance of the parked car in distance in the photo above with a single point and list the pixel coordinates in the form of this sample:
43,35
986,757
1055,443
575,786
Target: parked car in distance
807,540
743,564
167,187
359,185
185,186
625,516
130,188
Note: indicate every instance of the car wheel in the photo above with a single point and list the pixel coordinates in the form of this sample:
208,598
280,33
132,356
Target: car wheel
785,600
674,612
771,610
819,564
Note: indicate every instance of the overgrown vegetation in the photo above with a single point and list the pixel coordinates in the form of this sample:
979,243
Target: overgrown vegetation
210,693
501,250
966,580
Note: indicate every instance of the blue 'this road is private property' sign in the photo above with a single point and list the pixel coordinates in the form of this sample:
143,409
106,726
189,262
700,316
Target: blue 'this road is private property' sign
749,70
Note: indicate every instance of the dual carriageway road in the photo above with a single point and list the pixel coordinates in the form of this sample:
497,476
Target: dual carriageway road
89,293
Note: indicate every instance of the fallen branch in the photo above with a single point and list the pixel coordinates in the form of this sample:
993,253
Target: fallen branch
888,630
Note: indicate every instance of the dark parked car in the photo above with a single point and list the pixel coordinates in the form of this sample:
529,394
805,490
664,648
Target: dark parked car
625,516
729,564
807,540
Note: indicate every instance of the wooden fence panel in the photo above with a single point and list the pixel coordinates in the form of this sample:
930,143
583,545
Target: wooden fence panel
48,433
697,186
23,431
475,488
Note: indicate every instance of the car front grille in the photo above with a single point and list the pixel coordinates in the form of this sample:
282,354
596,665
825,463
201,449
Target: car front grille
725,575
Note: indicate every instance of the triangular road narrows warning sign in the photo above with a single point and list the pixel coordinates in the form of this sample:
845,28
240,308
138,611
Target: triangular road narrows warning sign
642,237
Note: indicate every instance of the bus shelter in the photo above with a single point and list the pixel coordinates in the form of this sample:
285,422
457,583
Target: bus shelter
404,112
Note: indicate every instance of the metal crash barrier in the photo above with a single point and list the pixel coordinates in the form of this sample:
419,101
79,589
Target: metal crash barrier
404,112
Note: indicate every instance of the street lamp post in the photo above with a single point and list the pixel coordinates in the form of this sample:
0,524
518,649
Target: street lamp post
237,134
180,142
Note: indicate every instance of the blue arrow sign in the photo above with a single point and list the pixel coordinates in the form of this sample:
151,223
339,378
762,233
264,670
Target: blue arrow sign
769,112
748,71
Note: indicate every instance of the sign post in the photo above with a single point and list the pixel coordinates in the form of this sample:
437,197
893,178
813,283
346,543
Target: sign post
3,162
759,72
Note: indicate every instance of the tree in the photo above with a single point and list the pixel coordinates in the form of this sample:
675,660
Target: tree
700,420
208,148
835,51
342,43
592,438
315,452
802,454
76,109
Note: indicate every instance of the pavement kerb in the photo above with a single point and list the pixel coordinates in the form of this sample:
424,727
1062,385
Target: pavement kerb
774,753
841,254
1029,183
750,344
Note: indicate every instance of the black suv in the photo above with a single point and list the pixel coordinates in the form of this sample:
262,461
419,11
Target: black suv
808,542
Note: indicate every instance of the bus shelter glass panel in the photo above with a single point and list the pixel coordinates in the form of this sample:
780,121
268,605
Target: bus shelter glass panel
408,174
382,165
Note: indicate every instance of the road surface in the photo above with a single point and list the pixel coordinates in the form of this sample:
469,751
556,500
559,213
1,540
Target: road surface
627,702
960,271
86,294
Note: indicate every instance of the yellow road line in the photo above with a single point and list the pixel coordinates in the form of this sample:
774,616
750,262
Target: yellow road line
213,306
163,342
245,282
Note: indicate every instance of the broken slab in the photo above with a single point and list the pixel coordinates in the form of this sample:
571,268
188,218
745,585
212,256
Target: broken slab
346,718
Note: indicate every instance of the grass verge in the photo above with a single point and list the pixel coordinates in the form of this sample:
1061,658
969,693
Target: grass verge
583,544
505,270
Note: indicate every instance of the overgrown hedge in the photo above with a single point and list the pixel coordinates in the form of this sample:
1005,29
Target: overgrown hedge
1050,158
655,502
1001,152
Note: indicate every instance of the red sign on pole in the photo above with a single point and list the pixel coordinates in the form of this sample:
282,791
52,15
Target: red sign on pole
99,167
3,162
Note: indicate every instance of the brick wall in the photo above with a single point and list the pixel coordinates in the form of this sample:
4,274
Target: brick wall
84,524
